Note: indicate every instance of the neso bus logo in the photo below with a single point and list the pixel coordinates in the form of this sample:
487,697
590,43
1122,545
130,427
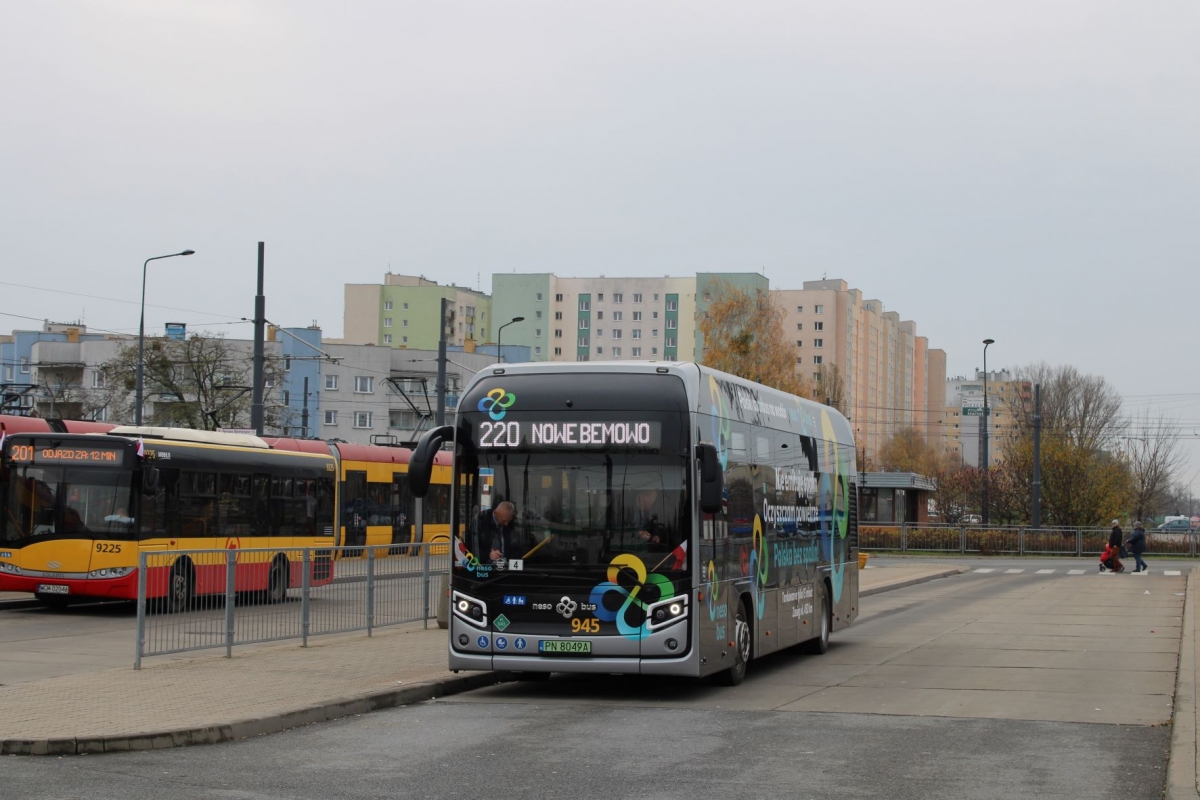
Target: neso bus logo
566,607
497,403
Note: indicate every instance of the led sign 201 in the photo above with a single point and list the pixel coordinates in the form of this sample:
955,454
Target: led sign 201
43,454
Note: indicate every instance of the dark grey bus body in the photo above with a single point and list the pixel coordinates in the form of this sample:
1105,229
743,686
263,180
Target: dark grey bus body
610,564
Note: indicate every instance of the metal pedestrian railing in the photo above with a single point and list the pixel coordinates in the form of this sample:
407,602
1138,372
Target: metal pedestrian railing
1010,540
207,599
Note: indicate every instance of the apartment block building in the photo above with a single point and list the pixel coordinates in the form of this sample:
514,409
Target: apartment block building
404,310
891,378
322,389
608,319
960,422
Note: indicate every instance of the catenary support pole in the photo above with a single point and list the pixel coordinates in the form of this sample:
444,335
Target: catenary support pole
441,369
260,312
1037,456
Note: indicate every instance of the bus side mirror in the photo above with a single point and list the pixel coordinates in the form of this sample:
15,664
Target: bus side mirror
420,466
712,483
150,480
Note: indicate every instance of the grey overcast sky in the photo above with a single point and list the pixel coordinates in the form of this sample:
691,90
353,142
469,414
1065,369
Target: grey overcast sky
1027,171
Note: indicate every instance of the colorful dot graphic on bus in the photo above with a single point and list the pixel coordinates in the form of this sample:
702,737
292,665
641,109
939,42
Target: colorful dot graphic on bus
835,505
759,565
632,589
496,403
712,590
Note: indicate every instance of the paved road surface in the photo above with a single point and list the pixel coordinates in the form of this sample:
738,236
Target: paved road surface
979,686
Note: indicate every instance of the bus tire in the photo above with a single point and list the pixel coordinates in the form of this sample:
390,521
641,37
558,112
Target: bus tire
824,622
277,581
181,588
743,647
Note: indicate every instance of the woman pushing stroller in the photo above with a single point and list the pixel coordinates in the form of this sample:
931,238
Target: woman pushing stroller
1110,559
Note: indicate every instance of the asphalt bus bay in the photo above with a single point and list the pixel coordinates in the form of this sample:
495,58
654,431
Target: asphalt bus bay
975,686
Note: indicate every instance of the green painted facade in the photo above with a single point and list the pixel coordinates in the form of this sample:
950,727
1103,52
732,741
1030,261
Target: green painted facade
415,311
583,338
671,327
527,296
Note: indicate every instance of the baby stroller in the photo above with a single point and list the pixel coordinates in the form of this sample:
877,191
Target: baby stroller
1110,559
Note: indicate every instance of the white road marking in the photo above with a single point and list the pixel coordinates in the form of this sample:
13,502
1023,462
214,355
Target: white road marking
986,569
1075,572
1172,572
1013,571
1045,572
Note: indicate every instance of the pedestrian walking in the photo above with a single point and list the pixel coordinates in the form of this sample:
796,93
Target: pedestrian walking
1137,545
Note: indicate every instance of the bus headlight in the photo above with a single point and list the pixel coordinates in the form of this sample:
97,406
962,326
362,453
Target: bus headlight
667,612
11,569
470,610
111,572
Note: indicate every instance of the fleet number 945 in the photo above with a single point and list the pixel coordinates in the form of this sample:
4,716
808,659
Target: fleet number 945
585,626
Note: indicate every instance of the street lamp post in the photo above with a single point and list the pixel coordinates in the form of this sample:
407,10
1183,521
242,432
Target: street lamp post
137,401
986,419
499,332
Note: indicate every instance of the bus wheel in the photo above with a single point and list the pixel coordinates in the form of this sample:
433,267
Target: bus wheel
181,589
824,620
742,648
277,584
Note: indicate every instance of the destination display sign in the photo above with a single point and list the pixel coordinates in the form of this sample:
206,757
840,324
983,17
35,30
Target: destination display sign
58,453
530,434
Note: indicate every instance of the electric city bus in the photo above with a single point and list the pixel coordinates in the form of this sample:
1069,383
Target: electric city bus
666,519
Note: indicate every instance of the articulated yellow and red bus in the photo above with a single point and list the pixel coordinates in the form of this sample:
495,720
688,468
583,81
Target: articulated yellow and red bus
78,510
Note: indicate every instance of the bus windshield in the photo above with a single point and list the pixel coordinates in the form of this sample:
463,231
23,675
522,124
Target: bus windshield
578,510
62,502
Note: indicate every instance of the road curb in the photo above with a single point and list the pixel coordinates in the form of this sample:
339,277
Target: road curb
913,581
242,729
1181,766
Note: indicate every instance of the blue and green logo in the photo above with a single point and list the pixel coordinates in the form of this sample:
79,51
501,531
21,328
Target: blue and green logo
496,403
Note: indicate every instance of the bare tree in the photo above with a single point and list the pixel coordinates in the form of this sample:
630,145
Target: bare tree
1085,480
201,382
1155,458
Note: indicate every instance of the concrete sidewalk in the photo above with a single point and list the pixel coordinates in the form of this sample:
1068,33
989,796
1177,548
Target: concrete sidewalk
210,699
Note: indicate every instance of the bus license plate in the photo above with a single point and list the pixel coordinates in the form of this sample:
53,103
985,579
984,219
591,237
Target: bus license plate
570,647
53,588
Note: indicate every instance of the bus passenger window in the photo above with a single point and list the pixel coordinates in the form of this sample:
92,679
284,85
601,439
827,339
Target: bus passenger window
283,510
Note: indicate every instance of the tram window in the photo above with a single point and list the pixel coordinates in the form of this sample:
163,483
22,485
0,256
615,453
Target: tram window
379,504
437,505
402,503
